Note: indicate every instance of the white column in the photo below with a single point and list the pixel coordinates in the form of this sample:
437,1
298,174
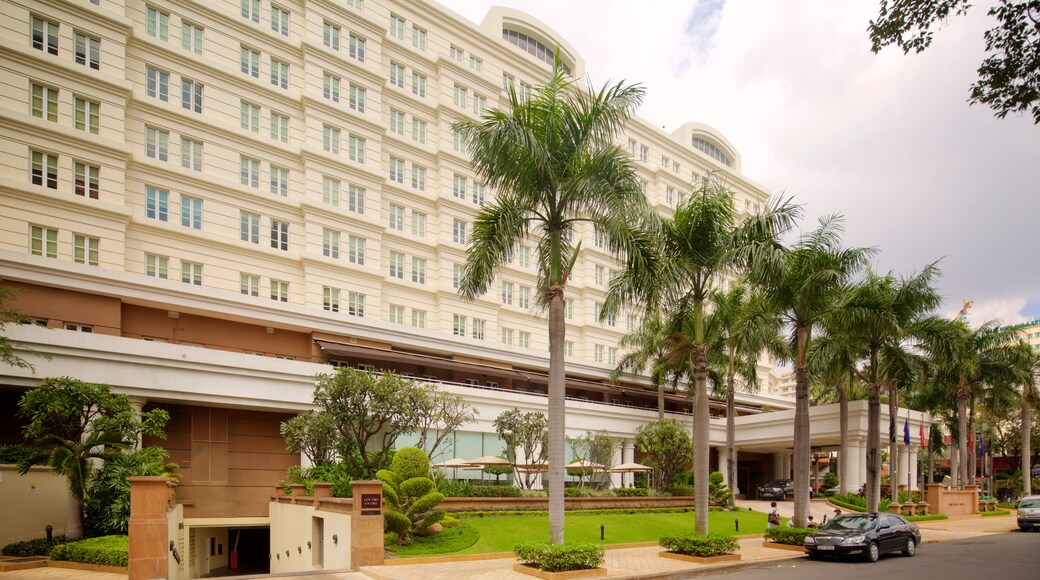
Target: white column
720,452
904,464
617,479
778,464
628,455
914,483
788,464
735,486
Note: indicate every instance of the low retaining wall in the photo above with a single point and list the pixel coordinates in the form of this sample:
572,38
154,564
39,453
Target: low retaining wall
471,504
953,502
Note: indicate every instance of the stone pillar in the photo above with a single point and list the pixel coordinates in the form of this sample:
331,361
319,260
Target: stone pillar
617,479
628,455
914,483
778,464
734,486
366,524
862,466
149,544
723,463
904,465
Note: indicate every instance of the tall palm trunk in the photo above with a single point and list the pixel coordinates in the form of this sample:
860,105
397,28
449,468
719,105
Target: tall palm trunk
660,397
731,429
931,460
893,443
873,487
961,479
557,390
1027,452
972,445
73,518
843,424
801,432
701,443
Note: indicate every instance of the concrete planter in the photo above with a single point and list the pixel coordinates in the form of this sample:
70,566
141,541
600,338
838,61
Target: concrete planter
779,546
532,571
700,559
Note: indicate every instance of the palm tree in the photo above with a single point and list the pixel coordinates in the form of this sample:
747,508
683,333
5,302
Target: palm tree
645,349
700,245
805,291
1027,362
553,162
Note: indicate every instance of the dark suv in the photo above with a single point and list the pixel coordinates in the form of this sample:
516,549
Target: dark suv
778,489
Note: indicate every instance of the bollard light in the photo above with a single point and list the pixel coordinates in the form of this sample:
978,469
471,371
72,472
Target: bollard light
601,529
736,524
50,533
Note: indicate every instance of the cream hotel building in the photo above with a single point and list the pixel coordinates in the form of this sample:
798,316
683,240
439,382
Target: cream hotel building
205,203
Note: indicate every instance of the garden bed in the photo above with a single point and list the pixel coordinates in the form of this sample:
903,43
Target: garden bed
700,559
533,571
779,546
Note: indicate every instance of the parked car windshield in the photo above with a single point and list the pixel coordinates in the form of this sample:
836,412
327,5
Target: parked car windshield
1029,503
851,522
777,483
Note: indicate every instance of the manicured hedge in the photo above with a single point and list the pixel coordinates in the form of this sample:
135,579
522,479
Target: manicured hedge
495,491
995,513
691,544
35,547
104,551
786,535
926,517
542,512
560,557
632,492
680,490
855,502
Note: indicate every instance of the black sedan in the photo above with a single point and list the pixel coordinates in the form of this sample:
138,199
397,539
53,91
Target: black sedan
866,535
780,489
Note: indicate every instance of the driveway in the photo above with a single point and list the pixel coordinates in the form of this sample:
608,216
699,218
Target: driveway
817,507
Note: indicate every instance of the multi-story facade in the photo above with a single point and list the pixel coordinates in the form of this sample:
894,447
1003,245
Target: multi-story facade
204,202
785,385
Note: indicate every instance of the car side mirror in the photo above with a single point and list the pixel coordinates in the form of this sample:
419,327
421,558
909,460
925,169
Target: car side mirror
884,526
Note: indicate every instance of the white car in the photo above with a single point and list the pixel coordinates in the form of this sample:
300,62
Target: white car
1029,513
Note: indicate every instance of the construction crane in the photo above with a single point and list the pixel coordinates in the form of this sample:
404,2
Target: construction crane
965,307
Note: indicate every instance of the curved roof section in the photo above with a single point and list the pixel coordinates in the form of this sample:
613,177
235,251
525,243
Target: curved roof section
710,142
500,18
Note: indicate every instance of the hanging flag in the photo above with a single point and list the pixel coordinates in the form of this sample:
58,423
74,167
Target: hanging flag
906,431
921,432
982,447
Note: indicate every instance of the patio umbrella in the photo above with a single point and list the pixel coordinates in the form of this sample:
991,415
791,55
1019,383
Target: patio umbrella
482,462
631,468
586,465
454,464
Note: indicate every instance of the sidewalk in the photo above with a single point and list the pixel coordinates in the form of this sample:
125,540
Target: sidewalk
631,563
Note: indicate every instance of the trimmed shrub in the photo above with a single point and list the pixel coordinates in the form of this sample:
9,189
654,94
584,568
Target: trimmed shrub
858,503
455,488
495,491
560,557
34,547
708,546
995,513
680,490
449,522
409,494
411,462
786,535
15,454
103,551
631,492
926,517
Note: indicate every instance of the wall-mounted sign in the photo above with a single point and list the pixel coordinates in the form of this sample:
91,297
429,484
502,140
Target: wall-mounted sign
371,501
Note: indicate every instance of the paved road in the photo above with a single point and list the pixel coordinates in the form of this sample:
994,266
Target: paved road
1014,556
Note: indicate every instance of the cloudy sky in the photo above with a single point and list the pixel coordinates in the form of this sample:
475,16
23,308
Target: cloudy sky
887,140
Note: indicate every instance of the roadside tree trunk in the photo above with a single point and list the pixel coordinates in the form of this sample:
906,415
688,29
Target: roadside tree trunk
893,443
557,420
843,424
801,431
961,479
701,443
1027,451
873,484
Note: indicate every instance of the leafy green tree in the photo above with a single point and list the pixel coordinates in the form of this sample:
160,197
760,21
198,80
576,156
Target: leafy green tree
71,423
553,162
703,243
314,435
804,291
665,446
645,349
107,506
527,432
411,497
1008,80
596,451
439,414
11,315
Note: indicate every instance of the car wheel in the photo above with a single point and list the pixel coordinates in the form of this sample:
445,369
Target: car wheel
815,556
873,552
911,548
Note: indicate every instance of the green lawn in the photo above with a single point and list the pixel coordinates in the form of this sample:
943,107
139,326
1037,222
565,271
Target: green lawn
500,534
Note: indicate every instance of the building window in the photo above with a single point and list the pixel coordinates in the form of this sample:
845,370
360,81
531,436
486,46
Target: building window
458,142
251,10
611,356
523,300
191,273
460,96
191,95
507,293
396,122
158,84
330,35
87,115
458,325
630,322
356,4
249,224
418,224
356,49
157,203
601,273
249,61
191,212
356,199
523,339
459,187
86,179
418,131
418,177
506,335
249,116
458,231
191,154
396,218
44,169
43,241
44,102
357,98
397,27
600,237
479,103
397,75
456,275
397,265
280,20
330,190
330,298
597,311
419,270
279,73
507,82
612,320
330,139
418,38
279,290
85,250
396,314
279,127
455,53
191,37
330,87
280,235
669,195
157,23
45,35
418,318
598,353
525,257
329,243
396,170
711,150
664,162
156,266
279,181
88,50
357,149
644,153
568,348
478,193
568,309
475,63
249,284
249,171
356,250
478,328
356,304
419,85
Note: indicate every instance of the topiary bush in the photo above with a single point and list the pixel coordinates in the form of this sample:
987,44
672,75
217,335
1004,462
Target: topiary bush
680,491
34,547
786,535
103,551
718,492
495,491
410,495
560,557
631,492
691,544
